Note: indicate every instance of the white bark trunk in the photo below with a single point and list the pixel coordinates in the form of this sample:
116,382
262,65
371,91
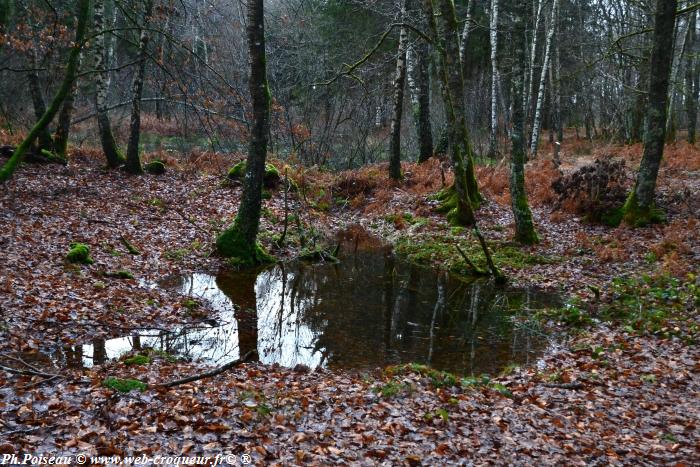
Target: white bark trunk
537,121
494,78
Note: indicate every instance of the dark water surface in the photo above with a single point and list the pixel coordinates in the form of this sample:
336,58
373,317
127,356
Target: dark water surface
369,310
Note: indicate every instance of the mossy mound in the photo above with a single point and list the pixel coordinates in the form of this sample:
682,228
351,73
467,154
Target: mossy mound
79,253
231,244
447,198
155,167
270,179
124,385
637,216
137,360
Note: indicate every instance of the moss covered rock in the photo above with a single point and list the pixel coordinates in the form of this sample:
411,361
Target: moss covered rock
155,167
79,253
271,178
124,385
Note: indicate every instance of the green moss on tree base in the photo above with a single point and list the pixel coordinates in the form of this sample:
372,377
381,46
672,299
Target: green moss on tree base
231,244
79,253
638,216
449,205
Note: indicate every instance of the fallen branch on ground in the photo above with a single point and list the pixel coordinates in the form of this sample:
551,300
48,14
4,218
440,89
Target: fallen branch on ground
217,371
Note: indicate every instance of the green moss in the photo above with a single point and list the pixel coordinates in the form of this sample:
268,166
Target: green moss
121,274
266,194
79,253
231,244
124,385
155,167
612,218
53,157
637,216
270,179
137,360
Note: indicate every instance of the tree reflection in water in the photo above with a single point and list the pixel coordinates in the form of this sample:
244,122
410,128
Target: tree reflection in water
370,310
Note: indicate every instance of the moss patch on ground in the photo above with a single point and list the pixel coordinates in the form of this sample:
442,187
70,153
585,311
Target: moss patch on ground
124,385
79,253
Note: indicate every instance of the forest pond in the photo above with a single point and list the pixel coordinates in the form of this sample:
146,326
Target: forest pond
368,310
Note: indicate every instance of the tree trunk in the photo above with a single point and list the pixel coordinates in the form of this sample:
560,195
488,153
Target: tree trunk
133,160
239,240
397,113
678,45
692,78
529,82
466,191
639,208
464,42
419,85
45,140
537,121
524,227
83,11
557,126
494,79
60,138
101,51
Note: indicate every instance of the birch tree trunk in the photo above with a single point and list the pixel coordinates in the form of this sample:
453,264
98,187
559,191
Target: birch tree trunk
537,121
494,78
109,145
239,240
83,12
419,86
524,227
527,95
397,111
639,208
556,101
133,160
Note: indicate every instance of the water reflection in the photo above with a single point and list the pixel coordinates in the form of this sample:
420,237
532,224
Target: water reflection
369,310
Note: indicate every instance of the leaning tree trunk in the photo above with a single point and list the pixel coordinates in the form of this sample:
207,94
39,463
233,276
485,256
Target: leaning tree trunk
239,240
494,78
639,208
537,121
419,85
101,51
133,161
524,227
692,76
397,113
83,10
464,40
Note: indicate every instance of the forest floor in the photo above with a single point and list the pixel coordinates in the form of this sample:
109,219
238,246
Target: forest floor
622,387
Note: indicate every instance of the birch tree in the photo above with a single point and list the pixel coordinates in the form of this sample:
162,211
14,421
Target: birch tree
133,160
419,87
537,120
527,96
639,208
494,78
692,79
397,111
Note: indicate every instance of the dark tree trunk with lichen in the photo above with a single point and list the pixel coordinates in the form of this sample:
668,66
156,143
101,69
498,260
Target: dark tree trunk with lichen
461,198
524,227
133,161
240,240
83,10
639,208
109,145
397,113
60,138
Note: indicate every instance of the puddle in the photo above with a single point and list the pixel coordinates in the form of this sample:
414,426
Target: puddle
370,310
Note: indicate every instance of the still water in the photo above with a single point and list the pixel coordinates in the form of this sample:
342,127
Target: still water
369,310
